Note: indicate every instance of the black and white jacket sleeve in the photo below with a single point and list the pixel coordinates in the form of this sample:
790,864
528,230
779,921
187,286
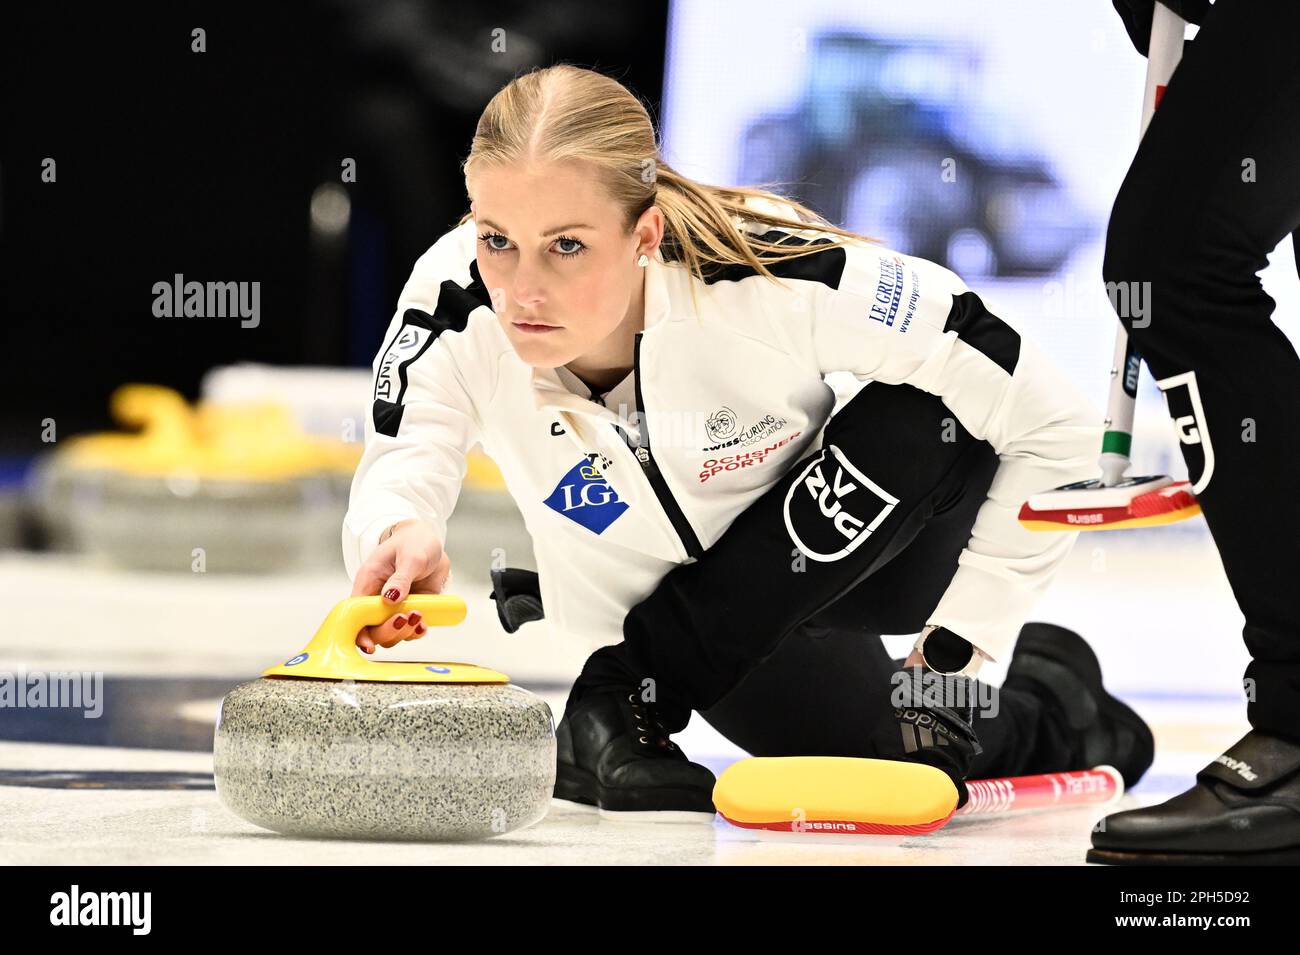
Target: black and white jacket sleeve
422,419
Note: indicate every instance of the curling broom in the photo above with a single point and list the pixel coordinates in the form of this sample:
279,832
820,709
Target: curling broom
1113,501
840,794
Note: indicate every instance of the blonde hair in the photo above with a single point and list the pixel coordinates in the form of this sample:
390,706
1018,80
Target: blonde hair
563,113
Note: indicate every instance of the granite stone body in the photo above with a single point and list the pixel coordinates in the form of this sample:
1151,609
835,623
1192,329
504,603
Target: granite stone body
375,760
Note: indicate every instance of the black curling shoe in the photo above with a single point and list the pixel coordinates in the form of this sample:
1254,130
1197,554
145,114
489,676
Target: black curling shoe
1060,663
613,753
1243,810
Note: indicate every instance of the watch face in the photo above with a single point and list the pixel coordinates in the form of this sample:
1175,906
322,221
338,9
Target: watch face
945,652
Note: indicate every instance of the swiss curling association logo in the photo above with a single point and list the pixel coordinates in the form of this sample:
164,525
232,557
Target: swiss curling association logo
724,429
721,425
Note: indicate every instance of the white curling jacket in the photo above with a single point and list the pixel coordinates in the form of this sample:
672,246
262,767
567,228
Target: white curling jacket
728,394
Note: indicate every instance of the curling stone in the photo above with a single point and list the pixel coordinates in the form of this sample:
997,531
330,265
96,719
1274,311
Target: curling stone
242,484
331,743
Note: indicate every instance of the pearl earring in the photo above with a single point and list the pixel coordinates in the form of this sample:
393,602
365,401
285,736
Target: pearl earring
643,261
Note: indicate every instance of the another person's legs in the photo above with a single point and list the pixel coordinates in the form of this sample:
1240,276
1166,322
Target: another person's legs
1213,189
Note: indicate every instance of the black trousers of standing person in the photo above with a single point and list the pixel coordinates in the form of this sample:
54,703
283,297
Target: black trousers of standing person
1213,188
783,656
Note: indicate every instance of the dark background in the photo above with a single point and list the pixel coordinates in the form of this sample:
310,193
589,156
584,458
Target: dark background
205,163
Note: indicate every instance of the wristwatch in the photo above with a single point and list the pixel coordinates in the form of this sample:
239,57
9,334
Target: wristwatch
945,652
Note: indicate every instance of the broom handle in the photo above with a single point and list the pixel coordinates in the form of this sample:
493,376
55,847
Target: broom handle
1102,784
1166,49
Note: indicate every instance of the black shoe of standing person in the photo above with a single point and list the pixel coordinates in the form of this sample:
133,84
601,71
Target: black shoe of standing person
1057,664
613,753
1243,810
930,721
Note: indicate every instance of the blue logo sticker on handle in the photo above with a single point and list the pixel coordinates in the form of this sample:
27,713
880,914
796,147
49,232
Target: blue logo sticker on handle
294,661
432,669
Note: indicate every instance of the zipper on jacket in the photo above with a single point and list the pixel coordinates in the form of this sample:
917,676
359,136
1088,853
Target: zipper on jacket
690,542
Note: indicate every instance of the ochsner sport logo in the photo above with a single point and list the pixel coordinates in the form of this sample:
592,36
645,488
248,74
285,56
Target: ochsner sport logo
738,462
832,507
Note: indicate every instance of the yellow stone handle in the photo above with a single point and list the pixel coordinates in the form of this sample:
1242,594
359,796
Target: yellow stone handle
332,653
351,614
336,640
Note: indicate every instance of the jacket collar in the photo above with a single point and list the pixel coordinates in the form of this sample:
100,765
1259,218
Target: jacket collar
549,390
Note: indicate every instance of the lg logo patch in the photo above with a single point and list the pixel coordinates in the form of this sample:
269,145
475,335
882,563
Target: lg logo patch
585,497
833,507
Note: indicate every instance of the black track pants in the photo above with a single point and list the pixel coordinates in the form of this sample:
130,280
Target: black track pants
781,653
1213,188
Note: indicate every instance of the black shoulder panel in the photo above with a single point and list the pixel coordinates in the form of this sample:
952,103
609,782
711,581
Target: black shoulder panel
984,331
826,267
419,330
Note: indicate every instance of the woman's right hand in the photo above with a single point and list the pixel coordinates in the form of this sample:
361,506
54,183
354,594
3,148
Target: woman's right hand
410,560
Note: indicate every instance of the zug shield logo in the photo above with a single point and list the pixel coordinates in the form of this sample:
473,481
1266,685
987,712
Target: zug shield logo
585,497
832,507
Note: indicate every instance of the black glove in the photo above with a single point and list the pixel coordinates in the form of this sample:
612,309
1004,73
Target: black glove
518,597
1137,15
917,731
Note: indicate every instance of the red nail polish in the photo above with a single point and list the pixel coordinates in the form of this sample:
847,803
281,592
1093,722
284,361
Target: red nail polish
420,629
399,622
414,619
392,593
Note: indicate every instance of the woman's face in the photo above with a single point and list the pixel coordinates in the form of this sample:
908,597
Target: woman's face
552,252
